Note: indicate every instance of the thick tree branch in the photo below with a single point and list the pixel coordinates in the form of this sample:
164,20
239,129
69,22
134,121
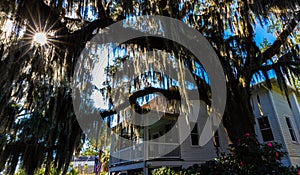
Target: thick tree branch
284,60
275,47
101,10
169,94
151,42
278,64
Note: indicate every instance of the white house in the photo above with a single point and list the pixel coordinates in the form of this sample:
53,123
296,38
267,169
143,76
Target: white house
275,121
84,164
139,157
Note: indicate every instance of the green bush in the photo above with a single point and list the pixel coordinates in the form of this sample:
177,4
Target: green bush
246,157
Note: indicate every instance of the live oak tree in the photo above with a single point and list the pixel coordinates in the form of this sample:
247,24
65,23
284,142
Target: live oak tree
38,124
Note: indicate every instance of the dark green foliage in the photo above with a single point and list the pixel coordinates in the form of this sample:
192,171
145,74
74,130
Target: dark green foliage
246,157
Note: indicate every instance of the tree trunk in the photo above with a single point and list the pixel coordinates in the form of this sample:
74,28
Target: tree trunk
238,118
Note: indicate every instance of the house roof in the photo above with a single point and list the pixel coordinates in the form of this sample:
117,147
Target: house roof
276,88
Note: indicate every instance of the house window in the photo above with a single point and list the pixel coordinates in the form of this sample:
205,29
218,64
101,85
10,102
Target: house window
291,129
265,129
216,139
194,134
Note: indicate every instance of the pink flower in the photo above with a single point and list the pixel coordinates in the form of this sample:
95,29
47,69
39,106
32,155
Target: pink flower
247,135
241,163
298,172
269,144
276,155
239,141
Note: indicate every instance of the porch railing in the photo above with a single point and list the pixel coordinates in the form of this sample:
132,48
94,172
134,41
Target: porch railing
141,152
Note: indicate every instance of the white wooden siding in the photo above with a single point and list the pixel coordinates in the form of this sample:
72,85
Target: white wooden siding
284,110
296,110
268,109
268,106
206,152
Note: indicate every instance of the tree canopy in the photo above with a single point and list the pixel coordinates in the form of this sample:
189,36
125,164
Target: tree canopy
38,124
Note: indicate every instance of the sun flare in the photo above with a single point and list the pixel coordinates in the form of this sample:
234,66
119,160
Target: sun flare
40,38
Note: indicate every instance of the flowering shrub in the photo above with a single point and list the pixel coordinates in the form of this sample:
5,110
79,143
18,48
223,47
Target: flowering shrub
247,157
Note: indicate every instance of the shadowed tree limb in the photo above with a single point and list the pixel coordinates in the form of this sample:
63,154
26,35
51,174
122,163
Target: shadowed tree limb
275,47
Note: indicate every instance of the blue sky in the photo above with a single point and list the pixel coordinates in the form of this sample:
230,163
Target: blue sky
261,33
